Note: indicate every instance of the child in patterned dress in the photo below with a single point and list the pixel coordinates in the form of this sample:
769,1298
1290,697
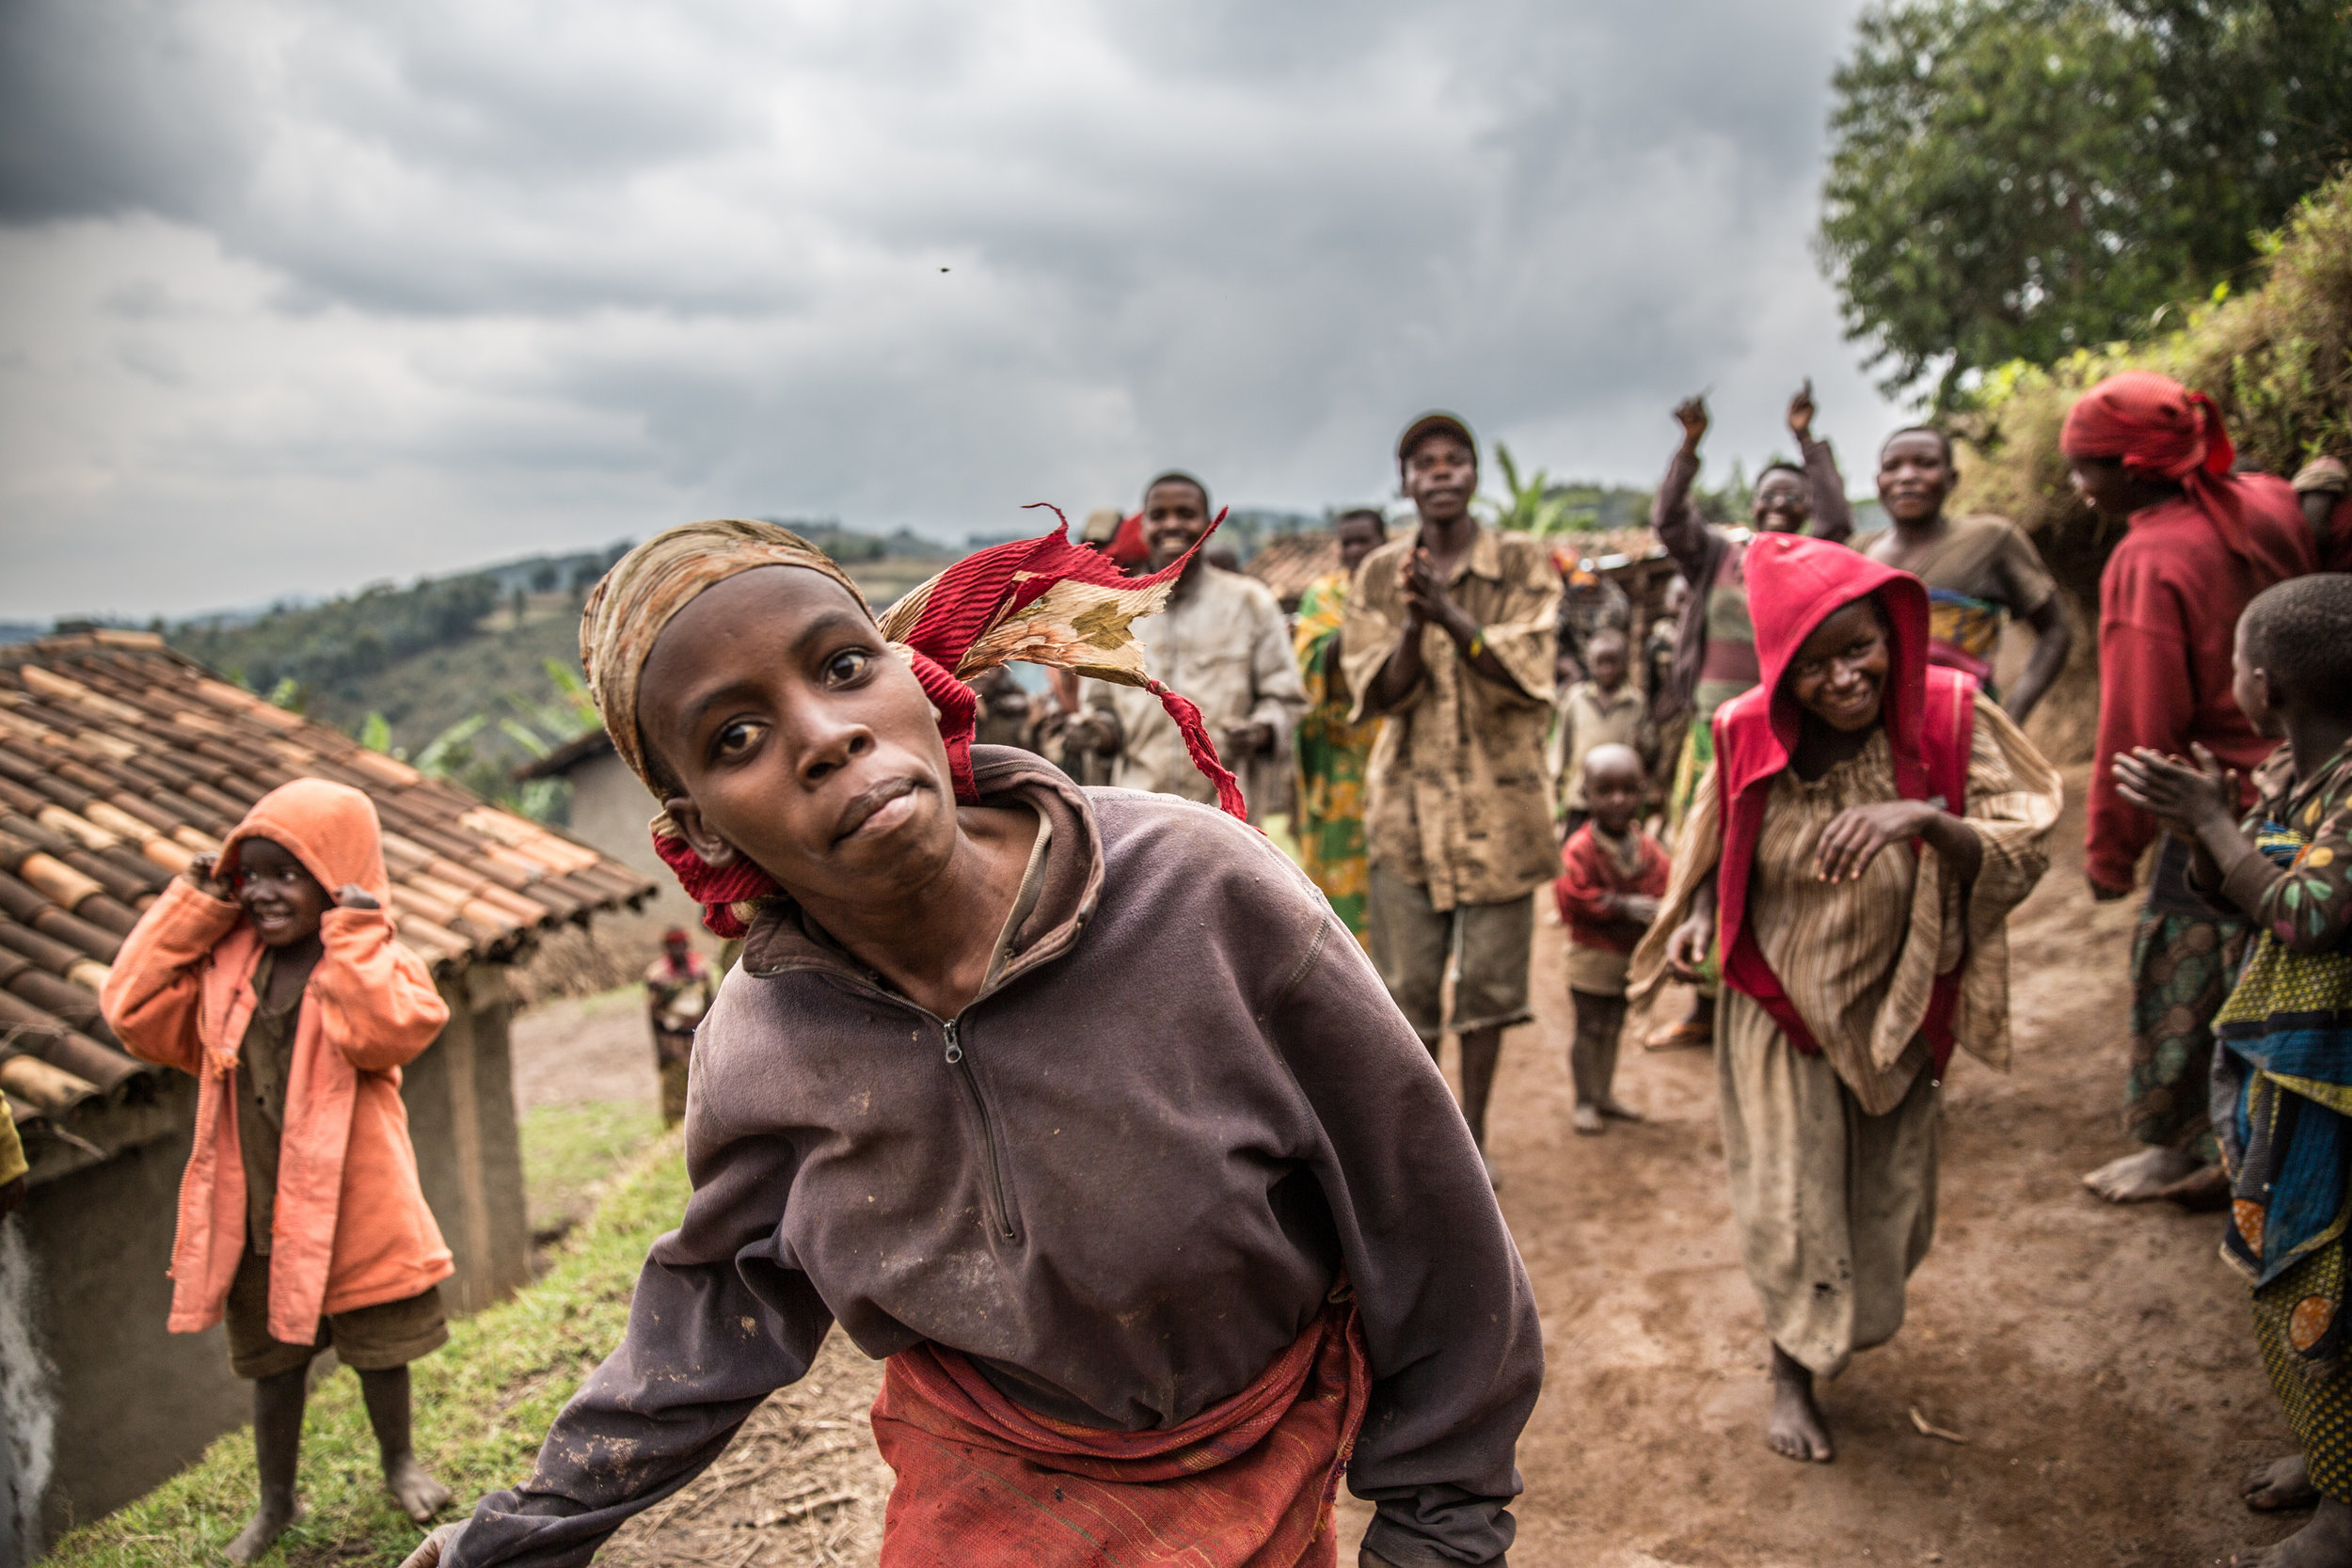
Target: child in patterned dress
2282,1075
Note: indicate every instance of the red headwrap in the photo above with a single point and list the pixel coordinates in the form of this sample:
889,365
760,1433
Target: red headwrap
2158,426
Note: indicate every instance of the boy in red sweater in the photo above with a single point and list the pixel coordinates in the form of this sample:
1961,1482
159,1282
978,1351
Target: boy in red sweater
1612,877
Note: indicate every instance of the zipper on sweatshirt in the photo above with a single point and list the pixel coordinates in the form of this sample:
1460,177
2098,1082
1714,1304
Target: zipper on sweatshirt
1001,1218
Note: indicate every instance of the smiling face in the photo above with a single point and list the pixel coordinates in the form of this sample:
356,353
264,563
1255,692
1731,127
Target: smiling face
1839,675
1914,476
1440,475
1175,515
793,737
281,898
1781,504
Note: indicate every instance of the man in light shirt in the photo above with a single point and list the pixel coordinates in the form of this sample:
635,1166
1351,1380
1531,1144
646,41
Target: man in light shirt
1222,642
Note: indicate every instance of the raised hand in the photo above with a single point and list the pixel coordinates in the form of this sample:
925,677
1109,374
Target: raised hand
1690,413
351,895
203,874
1800,412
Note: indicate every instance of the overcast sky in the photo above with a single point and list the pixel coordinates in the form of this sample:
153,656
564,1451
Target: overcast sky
297,296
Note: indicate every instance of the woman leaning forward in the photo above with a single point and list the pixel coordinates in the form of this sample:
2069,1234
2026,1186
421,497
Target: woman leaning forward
1862,929
1079,1106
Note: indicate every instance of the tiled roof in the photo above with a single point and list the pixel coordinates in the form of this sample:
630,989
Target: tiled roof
121,760
1290,565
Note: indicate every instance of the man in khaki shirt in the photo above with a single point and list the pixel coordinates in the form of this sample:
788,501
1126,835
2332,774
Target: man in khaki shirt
1449,635
1221,641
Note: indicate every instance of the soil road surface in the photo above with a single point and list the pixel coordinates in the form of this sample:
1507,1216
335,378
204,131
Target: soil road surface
2098,1362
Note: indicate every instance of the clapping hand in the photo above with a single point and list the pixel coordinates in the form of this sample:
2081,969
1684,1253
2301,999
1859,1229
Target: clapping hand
1427,603
2182,796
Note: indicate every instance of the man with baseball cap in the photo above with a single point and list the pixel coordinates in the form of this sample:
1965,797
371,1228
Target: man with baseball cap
1450,636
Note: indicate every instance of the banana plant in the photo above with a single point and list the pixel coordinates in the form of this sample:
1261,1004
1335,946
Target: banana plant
1530,507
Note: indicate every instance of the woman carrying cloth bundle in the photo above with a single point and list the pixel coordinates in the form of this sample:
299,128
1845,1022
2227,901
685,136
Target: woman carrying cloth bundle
1862,930
1079,1106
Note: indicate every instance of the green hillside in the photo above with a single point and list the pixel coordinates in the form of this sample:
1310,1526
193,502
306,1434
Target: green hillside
455,672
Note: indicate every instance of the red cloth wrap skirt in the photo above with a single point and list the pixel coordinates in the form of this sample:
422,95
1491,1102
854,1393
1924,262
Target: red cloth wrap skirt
1247,1484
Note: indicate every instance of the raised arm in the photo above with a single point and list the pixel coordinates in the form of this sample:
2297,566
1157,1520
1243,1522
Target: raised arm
377,1002
1833,513
153,991
1672,518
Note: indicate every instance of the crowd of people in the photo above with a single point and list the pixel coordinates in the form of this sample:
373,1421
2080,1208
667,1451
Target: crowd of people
1119,1134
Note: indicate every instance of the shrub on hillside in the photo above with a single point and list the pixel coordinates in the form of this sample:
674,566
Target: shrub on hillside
2276,359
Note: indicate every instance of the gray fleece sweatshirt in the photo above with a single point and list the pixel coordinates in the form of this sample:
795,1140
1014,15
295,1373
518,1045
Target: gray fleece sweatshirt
1122,1181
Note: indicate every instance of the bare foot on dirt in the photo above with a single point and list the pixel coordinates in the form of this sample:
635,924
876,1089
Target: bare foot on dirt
1795,1428
268,1523
413,1487
2204,1191
1587,1121
2325,1542
1691,1033
2137,1177
2280,1485
1620,1110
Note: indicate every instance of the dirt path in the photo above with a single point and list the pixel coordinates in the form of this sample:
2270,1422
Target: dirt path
2099,1361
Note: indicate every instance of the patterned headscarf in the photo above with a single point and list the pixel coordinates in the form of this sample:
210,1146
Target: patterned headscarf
1044,601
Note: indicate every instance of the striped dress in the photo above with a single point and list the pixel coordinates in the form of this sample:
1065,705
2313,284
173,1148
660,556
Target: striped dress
1833,1155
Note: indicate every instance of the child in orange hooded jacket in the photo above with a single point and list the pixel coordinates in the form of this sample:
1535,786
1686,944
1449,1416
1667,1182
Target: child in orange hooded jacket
301,1220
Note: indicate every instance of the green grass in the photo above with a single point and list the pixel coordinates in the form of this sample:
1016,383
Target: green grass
483,1404
570,1153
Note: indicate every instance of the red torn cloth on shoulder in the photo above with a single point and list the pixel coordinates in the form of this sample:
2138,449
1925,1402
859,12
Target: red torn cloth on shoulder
1794,584
1247,1484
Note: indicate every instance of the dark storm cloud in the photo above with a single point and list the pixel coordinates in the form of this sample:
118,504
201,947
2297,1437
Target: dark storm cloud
379,289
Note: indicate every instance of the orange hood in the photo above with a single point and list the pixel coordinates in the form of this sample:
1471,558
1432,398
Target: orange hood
331,828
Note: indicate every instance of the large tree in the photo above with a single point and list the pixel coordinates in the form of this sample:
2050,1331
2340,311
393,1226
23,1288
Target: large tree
2016,178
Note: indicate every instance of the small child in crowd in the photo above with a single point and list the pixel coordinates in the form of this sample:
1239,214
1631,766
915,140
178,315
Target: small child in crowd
2284,1035
1612,877
301,1220
1602,710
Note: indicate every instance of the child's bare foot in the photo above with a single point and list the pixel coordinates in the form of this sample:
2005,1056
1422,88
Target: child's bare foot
1795,1428
413,1487
1587,1120
1619,1109
2279,1485
2137,1177
268,1523
2325,1542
